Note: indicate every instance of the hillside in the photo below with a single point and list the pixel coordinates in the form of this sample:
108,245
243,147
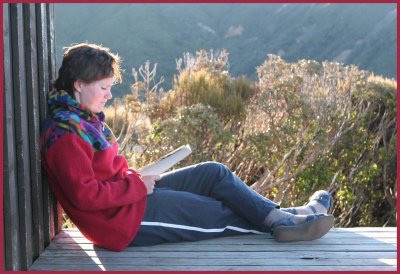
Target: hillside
361,34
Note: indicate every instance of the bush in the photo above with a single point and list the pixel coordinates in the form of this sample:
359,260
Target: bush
329,127
197,125
206,81
300,127
227,96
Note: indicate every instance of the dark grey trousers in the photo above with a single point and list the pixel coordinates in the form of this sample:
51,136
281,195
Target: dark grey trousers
200,202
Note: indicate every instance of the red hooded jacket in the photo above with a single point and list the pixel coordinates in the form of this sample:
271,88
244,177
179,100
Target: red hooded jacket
103,197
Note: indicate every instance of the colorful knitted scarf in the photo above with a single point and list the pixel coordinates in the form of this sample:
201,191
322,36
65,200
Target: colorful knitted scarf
67,116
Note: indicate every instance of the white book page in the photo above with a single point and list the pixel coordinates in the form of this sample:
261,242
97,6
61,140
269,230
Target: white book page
166,162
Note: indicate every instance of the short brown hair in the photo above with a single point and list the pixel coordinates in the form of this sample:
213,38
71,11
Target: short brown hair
88,63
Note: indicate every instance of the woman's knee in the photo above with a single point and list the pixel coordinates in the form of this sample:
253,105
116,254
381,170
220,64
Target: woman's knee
215,168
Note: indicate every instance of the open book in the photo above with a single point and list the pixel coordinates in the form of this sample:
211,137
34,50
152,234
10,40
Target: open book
166,162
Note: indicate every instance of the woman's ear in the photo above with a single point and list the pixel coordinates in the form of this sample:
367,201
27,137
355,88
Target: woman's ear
78,85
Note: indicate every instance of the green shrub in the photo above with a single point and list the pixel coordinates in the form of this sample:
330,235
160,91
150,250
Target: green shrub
197,125
300,127
206,80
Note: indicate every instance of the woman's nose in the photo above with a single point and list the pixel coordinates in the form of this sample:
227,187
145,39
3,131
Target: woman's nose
108,94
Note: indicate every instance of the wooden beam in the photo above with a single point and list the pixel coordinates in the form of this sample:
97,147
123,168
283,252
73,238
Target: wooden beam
10,191
46,70
57,210
32,96
21,134
31,215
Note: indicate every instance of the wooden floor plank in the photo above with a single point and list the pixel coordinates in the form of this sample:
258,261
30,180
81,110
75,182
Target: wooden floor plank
241,260
220,255
184,247
359,230
341,249
213,268
256,241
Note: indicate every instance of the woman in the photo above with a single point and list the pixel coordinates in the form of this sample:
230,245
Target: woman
115,207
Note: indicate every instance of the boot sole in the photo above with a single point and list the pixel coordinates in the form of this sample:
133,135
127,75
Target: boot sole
308,231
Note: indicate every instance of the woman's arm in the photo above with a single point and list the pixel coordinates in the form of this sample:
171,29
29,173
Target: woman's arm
70,162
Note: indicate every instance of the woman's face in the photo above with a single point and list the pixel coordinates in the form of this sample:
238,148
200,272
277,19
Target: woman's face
94,95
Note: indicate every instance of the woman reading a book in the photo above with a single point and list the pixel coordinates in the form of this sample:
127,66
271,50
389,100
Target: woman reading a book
115,207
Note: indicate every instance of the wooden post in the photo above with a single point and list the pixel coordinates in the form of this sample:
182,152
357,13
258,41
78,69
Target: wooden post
32,95
31,214
21,134
10,190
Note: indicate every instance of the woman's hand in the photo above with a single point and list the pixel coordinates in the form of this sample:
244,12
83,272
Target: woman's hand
149,182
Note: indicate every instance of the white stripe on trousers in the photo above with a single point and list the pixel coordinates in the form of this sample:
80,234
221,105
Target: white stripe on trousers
199,229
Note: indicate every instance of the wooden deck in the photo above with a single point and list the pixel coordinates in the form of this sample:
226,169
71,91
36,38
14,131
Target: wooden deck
372,248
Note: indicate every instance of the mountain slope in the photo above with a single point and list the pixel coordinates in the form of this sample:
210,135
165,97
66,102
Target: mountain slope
361,34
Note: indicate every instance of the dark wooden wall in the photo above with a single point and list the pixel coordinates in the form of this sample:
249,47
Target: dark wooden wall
31,214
